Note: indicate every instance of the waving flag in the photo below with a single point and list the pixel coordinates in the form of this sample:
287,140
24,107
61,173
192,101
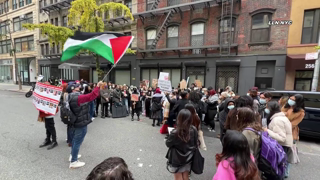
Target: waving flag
111,46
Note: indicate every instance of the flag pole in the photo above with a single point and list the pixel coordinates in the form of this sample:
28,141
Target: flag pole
109,72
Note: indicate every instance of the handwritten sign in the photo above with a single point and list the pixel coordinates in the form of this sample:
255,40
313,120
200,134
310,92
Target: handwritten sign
164,76
134,97
183,84
164,85
154,83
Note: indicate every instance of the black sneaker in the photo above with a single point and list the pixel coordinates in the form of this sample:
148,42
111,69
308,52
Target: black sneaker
52,145
45,143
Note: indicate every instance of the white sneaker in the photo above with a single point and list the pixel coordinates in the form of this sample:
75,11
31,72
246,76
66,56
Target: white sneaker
92,119
76,164
70,157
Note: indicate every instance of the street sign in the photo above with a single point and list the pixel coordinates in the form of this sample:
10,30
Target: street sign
312,56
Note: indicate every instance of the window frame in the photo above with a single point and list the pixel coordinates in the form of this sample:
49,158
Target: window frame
315,28
6,27
234,19
167,38
6,6
64,24
28,19
128,3
193,22
146,34
269,11
21,3
148,2
20,41
5,44
28,2
14,4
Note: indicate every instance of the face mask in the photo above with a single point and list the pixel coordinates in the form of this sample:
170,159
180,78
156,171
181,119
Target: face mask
248,94
230,107
229,95
291,102
267,111
262,101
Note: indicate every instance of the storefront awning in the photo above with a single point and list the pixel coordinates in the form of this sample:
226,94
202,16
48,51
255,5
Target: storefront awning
298,62
72,66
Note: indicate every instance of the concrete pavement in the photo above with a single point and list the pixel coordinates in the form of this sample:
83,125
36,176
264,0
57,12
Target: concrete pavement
138,143
14,88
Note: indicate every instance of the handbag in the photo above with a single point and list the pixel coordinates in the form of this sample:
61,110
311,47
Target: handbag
164,129
197,165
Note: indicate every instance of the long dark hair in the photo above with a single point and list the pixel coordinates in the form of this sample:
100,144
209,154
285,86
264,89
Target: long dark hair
274,108
111,168
299,103
194,116
247,118
183,125
236,146
244,101
194,97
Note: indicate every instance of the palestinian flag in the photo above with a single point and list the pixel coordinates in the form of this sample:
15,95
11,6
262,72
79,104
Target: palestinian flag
111,46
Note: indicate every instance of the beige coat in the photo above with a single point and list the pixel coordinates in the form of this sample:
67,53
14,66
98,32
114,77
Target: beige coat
254,141
295,119
280,129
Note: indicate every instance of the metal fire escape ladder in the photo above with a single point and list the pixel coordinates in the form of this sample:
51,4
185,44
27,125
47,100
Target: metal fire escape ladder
155,4
226,36
162,28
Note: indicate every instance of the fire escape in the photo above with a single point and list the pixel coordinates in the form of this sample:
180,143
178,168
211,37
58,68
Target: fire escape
165,15
226,38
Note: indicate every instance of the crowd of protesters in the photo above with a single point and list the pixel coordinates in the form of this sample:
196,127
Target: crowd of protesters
242,121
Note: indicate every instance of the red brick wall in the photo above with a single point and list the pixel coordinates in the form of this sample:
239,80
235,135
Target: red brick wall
243,25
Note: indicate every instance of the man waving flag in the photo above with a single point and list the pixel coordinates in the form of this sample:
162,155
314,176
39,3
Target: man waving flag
111,46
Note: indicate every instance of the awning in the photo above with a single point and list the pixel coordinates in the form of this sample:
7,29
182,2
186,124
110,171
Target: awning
298,62
72,66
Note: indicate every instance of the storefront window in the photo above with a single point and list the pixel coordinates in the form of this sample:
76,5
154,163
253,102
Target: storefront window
303,80
122,77
6,71
150,74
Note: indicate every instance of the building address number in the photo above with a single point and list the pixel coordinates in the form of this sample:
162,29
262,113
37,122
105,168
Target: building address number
309,66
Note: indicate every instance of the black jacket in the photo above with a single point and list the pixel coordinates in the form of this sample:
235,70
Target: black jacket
172,104
180,152
82,116
180,105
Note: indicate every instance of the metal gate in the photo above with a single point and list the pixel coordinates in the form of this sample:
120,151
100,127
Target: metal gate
227,76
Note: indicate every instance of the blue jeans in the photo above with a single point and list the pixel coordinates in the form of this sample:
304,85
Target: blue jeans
78,137
69,134
126,103
91,109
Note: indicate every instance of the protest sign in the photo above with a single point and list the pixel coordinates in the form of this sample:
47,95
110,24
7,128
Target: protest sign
147,82
198,83
142,83
46,98
154,83
164,76
164,85
183,84
134,97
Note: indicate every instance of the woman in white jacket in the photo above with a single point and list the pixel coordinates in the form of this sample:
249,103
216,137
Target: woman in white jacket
279,128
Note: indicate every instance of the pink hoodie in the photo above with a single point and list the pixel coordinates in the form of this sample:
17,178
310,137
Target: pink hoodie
225,171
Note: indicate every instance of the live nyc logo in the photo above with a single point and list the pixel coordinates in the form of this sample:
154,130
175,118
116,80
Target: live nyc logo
281,22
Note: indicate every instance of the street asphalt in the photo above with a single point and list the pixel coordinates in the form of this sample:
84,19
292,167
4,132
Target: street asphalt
138,143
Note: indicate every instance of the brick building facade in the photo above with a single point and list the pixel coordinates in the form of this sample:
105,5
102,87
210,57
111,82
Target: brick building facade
257,51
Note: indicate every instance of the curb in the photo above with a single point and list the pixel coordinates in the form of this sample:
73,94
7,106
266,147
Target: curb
17,91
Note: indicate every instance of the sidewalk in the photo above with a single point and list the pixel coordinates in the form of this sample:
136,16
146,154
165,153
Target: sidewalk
13,87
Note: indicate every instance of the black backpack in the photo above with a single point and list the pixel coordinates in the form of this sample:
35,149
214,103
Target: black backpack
66,115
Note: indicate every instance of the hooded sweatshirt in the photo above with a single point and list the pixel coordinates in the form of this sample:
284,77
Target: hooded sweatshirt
224,114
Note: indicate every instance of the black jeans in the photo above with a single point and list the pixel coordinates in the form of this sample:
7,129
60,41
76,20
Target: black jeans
97,105
134,111
170,121
104,110
50,129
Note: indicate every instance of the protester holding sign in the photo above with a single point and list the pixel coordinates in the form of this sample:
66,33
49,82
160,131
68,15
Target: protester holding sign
136,104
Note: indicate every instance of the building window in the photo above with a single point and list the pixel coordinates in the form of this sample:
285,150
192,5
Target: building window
52,21
28,2
150,4
44,3
56,22
47,48
128,3
151,36
24,44
128,34
197,36
260,31
311,25
42,49
173,36
1,8
58,48
53,51
196,73
6,6
51,1
225,30
174,2
4,28
14,4
303,80
19,21
21,3
5,46
65,21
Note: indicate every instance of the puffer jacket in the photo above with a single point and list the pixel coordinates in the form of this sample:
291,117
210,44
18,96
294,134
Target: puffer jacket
280,129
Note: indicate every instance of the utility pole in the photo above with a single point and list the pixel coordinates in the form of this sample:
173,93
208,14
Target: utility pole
315,79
